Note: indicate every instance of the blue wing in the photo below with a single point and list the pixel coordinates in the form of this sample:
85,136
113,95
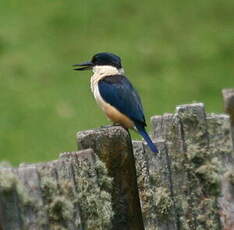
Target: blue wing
119,92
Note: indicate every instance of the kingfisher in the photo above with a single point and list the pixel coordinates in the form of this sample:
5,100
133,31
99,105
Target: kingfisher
115,94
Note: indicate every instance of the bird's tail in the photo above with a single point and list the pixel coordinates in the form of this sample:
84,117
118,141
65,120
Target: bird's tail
148,140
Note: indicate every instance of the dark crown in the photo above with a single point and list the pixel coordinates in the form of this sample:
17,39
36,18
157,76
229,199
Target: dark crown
107,59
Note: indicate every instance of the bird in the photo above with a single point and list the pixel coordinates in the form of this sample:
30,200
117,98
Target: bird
115,94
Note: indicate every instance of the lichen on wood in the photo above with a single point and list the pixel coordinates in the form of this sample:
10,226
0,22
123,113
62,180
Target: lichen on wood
69,193
193,141
113,146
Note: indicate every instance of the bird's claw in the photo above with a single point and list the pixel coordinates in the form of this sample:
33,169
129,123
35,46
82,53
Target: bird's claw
109,126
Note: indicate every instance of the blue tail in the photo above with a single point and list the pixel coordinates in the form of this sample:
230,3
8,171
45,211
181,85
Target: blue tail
146,137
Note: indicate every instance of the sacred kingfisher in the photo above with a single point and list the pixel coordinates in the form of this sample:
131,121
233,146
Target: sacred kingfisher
115,94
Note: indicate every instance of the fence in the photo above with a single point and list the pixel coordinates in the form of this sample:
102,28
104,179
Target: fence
113,183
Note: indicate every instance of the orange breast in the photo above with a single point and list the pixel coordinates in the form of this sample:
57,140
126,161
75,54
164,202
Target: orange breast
117,117
111,112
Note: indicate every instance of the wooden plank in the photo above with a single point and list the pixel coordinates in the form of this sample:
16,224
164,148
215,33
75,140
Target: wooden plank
220,139
194,173
93,186
154,187
228,97
226,200
202,185
113,146
168,128
10,217
69,193
32,209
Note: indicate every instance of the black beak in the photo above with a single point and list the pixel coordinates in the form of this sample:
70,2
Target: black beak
84,66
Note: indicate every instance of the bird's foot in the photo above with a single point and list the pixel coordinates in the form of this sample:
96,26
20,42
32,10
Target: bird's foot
109,126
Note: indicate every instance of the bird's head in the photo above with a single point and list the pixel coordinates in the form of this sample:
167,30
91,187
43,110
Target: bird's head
101,60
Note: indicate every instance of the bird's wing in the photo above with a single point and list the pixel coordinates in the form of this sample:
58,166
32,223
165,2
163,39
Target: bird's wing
119,92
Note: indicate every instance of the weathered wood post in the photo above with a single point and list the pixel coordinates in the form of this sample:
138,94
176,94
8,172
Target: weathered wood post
228,96
69,193
227,199
196,149
186,137
113,146
155,187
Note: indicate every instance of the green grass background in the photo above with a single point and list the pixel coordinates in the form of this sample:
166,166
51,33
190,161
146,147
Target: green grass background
174,52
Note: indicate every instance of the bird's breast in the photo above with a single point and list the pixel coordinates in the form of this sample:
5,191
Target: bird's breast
111,112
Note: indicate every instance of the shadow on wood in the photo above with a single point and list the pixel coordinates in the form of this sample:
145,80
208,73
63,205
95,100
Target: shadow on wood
113,146
69,193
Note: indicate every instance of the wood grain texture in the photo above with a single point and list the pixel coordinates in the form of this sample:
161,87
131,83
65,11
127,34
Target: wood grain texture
69,193
113,146
200,151
228,98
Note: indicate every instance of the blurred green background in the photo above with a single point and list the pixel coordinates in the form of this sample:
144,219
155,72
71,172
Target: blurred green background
174,52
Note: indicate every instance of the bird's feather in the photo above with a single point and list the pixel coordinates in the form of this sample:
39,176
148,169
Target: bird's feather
148,140
119,92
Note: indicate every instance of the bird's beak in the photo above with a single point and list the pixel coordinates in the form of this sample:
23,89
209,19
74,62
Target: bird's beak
84,66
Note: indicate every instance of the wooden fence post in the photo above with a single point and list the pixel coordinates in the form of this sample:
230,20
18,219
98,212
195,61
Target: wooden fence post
196,142
69,193
227,199
228,97
113,146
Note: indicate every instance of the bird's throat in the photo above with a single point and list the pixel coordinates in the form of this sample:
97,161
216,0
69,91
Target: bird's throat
106,70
